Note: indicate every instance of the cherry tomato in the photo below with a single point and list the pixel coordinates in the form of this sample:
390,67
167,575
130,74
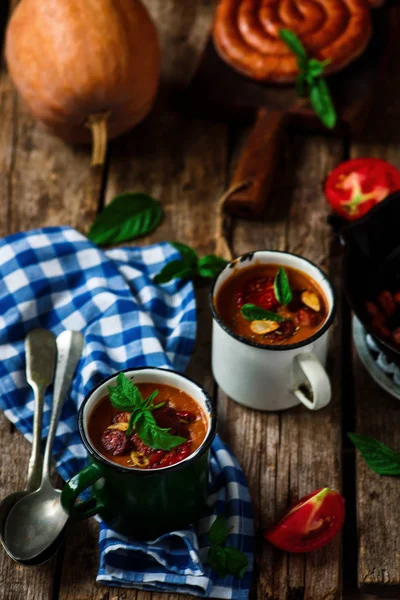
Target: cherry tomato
258,290
310,524
355,186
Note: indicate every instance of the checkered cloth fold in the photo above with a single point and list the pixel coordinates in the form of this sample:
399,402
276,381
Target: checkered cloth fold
56,279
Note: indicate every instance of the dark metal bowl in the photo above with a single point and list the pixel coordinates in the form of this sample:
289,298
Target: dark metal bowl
372,262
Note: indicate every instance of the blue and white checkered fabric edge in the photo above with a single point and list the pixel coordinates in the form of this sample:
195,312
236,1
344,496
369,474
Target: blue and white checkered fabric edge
57,279
177,562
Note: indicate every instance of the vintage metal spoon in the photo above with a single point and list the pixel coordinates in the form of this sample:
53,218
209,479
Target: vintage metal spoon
40,352
36,521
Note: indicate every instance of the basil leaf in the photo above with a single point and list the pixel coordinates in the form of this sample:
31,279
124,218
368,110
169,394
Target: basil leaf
154,436
210,265
149,400
132,420
379,457
130,390
236,562
293,43
189,256
174,270
127,217
321,102
218,531
157,406
227,561
315,67
282,290
256,313
217,560
118,398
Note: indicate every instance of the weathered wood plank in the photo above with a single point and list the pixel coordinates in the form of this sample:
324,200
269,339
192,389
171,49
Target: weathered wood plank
293,452
377,413
42,183
183,163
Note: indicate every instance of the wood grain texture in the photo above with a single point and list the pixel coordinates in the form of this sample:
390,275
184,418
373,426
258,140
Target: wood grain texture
286,455
42,182
185,163
377,413
182,163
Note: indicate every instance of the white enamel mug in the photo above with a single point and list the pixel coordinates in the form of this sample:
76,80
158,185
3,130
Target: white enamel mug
268,377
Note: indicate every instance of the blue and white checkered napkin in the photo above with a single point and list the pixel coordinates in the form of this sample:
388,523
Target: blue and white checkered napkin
55,278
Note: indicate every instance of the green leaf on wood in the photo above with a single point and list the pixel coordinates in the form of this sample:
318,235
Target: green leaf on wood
127,217
379,457
189,256
210,265
191,265
321,102
174,270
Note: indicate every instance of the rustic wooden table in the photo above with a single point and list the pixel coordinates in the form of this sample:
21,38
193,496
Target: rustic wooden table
186,164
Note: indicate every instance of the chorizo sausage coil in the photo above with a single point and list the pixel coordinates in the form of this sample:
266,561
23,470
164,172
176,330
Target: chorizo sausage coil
246,34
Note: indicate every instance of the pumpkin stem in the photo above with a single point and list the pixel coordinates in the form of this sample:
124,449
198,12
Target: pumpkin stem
97,123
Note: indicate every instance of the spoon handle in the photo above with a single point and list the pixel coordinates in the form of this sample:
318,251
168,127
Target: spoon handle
69,348
40,352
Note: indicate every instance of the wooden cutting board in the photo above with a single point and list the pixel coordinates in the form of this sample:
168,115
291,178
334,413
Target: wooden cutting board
217,91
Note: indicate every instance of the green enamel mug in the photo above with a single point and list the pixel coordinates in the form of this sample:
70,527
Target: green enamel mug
137,502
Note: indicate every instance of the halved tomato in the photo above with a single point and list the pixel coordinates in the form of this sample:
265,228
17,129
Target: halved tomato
310,524
356,185
258,290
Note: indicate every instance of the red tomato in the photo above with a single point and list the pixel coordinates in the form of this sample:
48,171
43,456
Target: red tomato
310,524
258,290
355,186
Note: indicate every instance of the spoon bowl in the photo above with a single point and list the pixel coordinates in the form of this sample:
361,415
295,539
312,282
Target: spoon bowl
40,516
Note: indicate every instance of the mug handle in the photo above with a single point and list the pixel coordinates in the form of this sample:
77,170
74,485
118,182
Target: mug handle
315,379
75,486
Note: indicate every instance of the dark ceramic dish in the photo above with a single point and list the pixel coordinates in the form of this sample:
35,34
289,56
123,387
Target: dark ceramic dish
372,262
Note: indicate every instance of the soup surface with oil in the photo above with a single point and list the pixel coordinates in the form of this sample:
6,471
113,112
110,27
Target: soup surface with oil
180,414
278,322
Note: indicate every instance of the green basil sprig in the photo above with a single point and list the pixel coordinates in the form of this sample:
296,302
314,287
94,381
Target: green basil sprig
251,312
127,217
310,79
224,560
126,396
379,457
282,290
190,266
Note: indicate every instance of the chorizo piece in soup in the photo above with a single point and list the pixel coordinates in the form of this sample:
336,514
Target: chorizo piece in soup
271,305
115,435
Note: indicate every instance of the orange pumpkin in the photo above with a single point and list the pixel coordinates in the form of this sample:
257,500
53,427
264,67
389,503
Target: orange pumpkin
84,65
